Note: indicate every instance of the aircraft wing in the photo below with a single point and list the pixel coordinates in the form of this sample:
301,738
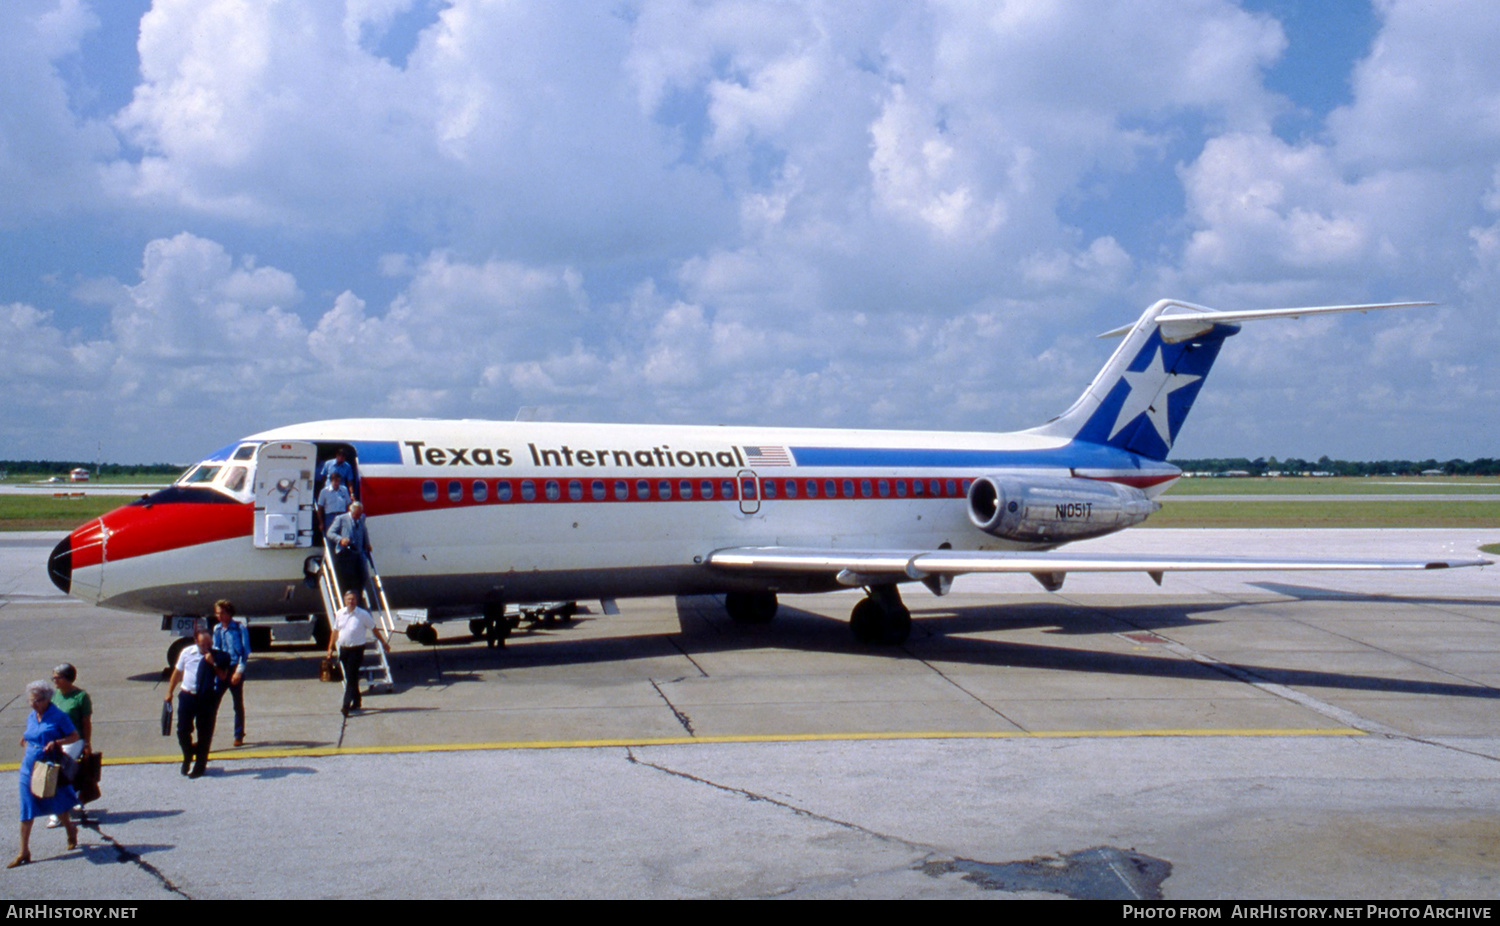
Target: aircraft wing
874,567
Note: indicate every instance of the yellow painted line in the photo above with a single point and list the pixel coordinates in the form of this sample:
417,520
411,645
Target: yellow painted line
318,751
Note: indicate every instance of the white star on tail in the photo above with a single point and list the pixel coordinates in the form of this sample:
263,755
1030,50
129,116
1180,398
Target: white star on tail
1149,390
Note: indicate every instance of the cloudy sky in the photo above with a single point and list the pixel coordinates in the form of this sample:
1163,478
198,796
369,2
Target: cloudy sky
219,216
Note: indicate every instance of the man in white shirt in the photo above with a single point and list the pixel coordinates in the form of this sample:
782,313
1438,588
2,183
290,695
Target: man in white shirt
203,673
351,625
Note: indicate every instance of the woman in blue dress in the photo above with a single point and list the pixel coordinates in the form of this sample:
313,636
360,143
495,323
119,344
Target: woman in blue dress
47,731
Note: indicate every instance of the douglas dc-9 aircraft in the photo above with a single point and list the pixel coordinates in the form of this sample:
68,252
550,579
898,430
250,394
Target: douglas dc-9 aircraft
466,516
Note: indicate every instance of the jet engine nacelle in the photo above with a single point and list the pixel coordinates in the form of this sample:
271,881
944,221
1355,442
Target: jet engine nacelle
1043,509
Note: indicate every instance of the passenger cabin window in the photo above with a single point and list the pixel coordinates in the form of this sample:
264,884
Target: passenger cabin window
575,490
622,490
685,489
429,490
664,490
791,488
502,490
481,490
596,490
552,490
642,489
768,488
455,490
706,487
528,490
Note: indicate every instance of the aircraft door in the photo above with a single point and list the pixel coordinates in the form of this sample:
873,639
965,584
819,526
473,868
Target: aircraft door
749,492
284,494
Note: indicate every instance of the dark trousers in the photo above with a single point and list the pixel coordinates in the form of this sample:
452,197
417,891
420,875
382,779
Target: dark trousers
351,658
349,566
196,711
237,695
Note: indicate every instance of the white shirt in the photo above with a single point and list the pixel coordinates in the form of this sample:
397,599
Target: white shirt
187,664
353,624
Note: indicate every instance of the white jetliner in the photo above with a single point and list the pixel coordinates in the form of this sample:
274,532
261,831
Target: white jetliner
465,516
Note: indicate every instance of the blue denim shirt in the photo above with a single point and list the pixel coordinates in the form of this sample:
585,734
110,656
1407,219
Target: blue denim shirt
234,640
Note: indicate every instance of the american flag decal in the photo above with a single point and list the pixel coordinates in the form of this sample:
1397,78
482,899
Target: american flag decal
768,456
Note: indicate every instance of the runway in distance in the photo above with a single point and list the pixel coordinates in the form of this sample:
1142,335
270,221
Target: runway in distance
467,516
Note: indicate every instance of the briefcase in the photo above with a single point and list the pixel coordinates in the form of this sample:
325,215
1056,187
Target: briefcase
166,718
330,670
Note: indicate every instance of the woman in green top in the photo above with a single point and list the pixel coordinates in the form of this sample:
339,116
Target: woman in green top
73,701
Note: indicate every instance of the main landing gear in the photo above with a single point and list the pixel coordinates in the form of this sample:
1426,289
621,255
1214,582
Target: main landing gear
751,607
494,627
881,618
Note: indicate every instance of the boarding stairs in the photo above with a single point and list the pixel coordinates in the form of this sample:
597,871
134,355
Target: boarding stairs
376,673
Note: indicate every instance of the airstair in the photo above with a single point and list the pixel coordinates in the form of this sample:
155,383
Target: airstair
377,673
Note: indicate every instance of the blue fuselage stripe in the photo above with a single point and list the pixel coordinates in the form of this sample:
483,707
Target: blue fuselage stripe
1075,455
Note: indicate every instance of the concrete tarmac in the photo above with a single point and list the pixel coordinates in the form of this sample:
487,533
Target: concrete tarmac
1222,736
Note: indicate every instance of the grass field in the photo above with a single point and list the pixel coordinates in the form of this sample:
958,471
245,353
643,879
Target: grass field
1374,513
1374,485
48,513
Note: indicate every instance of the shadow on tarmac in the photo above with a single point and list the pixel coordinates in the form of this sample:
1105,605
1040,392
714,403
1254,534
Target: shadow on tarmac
944,634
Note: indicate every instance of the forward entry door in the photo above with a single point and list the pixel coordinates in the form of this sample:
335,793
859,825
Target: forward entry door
284,494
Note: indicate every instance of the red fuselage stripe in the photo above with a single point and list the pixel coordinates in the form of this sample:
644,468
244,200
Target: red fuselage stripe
138,530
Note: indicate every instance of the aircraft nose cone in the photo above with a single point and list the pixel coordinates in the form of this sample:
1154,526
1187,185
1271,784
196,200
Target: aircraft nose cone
60,565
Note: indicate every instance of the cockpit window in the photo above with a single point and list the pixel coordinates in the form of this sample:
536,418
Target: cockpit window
235,481
246,452
199,475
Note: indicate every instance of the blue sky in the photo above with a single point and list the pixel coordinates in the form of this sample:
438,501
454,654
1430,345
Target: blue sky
220,217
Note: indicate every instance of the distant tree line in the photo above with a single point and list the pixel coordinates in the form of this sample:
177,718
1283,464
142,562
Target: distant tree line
63,467
1294,466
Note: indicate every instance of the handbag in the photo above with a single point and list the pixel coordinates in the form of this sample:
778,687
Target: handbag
43,779
87,782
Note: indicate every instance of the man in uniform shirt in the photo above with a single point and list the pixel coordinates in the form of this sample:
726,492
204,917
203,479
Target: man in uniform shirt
351,624
200,670
333,501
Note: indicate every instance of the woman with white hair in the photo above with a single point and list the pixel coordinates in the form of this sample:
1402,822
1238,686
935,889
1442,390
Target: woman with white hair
48,730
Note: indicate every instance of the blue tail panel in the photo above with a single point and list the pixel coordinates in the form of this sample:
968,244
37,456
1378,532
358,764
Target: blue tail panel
1145,408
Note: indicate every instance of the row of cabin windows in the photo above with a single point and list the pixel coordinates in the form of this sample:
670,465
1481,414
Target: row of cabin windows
506,490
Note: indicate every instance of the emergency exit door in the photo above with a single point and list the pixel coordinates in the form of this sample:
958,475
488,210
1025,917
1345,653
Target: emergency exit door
284,494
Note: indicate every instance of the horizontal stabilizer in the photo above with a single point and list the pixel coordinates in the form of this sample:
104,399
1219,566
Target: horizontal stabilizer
1199,319
863,567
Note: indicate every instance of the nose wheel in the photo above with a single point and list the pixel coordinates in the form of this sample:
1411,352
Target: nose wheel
881,618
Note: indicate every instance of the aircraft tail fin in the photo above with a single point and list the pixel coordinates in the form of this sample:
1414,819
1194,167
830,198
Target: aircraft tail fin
1141,397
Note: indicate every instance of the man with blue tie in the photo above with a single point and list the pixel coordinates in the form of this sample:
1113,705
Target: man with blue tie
351,544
